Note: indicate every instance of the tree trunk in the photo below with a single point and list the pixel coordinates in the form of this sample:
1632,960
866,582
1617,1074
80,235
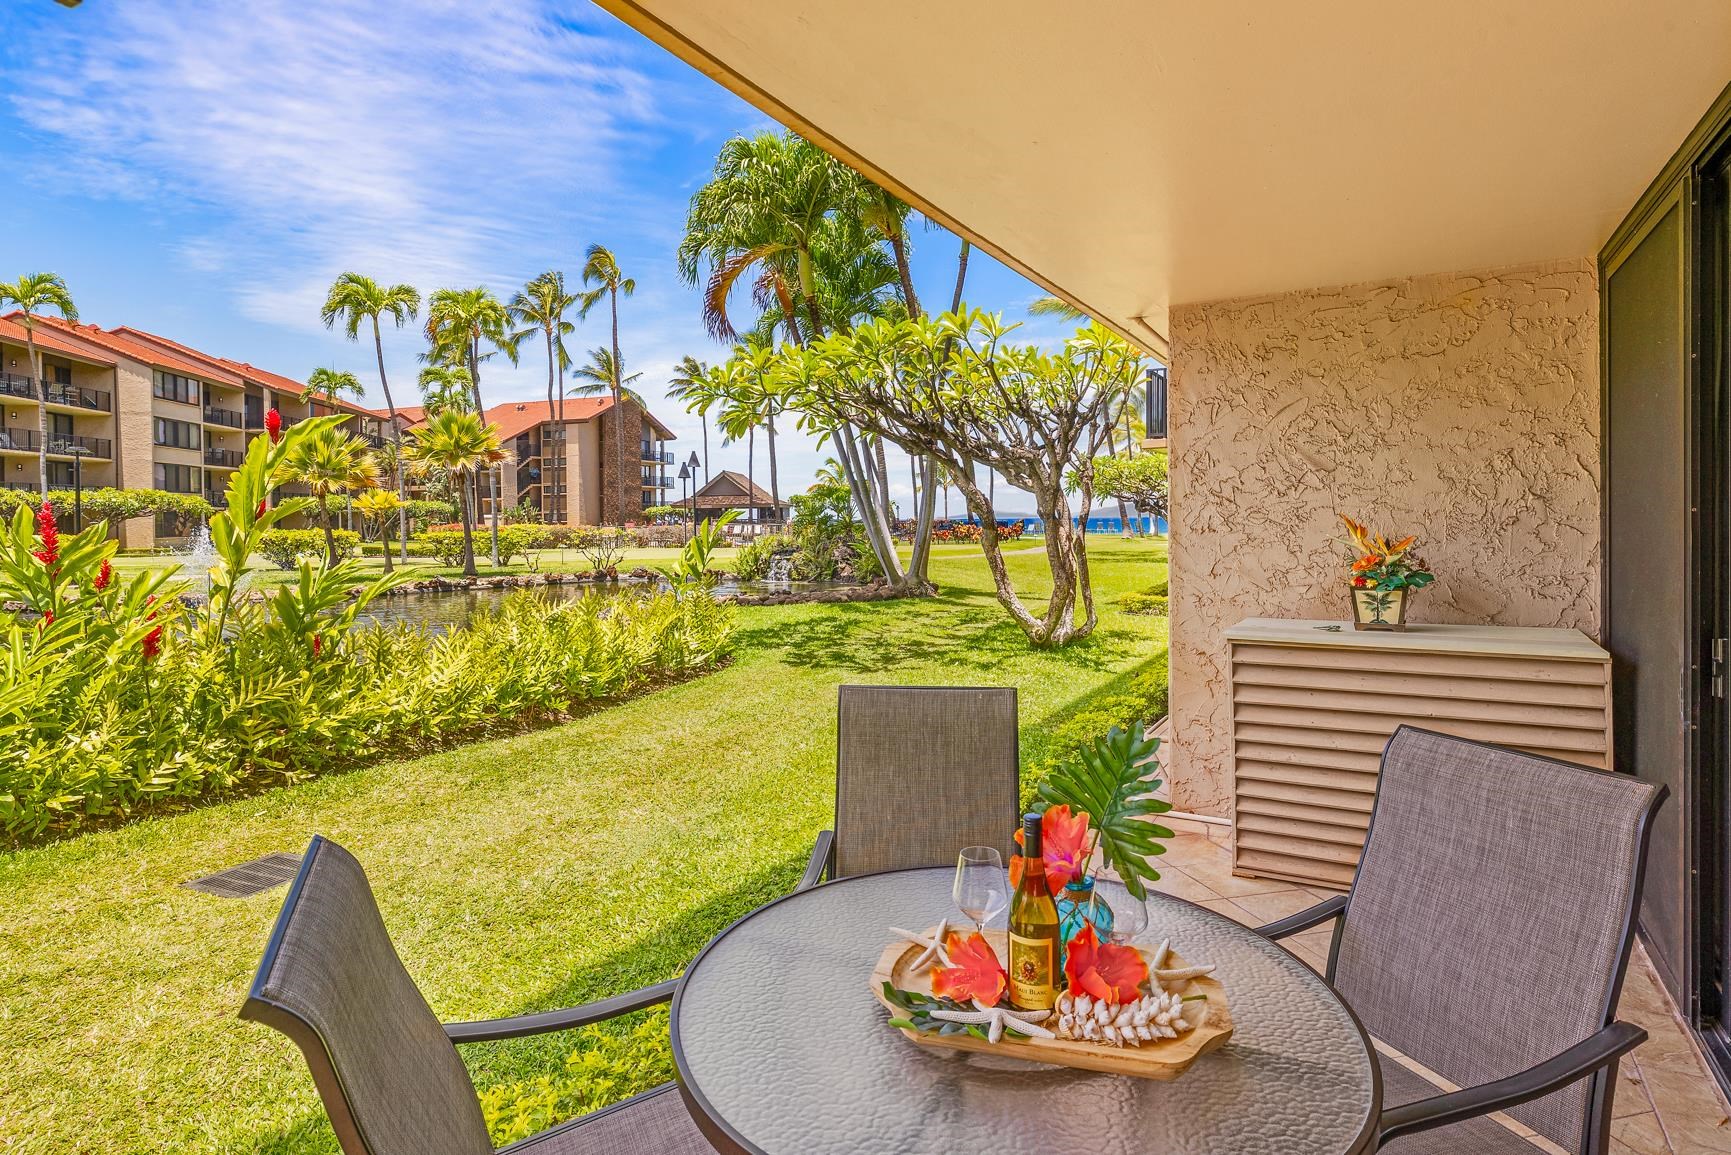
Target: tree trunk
854,469
1123,513
774,483
385,542
467,516
704,417
750,475
41,411
899,246
613,303
1065,559
492,474
330,538
397,441
961,276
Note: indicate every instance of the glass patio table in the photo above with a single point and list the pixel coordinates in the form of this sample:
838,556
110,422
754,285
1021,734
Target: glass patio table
781,1047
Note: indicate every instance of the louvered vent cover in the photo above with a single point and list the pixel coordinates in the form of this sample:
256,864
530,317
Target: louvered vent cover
249,878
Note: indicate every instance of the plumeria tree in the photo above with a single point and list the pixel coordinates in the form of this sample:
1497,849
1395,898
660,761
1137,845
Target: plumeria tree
379,508
955,388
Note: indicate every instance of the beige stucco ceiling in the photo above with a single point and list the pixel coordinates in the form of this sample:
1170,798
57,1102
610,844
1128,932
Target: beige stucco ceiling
1132,155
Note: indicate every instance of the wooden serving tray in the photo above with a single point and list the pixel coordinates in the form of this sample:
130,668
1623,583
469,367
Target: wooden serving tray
1162,1059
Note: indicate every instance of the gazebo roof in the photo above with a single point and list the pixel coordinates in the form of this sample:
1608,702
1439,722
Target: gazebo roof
730,490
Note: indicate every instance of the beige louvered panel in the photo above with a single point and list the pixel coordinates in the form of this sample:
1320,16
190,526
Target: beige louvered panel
1312,709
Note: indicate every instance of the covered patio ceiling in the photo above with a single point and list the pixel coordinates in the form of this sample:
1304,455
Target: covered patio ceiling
1135,154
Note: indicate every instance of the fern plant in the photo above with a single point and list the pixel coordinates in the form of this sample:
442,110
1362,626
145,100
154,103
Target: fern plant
1111,782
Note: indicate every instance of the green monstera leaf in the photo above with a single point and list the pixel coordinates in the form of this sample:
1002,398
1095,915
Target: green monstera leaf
1111,782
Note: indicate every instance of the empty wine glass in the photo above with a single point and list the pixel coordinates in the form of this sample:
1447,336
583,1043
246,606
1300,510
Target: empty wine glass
982,889
1129,913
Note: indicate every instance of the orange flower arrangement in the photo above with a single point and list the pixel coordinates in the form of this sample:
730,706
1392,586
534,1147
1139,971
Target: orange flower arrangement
1064,846
1379,564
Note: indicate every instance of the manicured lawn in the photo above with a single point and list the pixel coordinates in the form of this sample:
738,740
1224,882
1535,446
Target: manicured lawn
515,875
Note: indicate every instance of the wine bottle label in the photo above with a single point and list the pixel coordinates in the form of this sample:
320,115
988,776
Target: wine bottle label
1031,970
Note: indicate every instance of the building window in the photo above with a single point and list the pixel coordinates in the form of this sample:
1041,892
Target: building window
174,387
177,478
176,434
62,374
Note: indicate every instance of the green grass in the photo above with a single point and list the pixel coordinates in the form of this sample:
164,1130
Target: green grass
515,875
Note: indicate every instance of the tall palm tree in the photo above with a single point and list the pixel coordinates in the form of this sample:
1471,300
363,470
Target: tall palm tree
445,387
767,200
887,214
1056,307
328,385
601,269
32,293
354,298
542,304
458,444
687,387
602,374
329,462
459,322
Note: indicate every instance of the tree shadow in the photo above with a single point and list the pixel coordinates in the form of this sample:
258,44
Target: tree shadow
661,951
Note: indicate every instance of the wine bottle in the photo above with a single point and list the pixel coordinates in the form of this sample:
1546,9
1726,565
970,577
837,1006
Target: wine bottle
1033,929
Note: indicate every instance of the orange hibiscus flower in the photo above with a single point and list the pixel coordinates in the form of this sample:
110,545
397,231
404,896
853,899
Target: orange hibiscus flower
1110,972
1063,846
974,973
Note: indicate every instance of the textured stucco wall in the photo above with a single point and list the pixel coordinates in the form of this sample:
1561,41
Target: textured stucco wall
1462,407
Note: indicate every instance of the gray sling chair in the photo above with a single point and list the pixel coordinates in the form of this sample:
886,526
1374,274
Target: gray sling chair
387,1070
1486,936
951,748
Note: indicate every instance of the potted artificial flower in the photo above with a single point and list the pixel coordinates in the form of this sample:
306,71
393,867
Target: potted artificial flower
1382,574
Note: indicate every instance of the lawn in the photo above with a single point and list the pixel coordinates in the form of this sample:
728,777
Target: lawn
515,875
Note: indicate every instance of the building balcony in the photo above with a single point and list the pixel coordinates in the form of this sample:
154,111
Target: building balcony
652,457
228,417
255,419
226,458
61,444
67,396
217,500
12,385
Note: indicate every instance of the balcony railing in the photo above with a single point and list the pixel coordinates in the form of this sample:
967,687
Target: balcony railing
67,444
228,417
26,486
13,385
217,500
228,458
651,457
662,482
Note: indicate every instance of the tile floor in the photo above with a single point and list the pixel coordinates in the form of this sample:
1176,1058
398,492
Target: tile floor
1666,1103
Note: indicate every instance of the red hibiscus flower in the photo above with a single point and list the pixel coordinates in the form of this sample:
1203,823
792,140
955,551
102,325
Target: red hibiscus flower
1110,972
273,425
104,575
1063,846
974,971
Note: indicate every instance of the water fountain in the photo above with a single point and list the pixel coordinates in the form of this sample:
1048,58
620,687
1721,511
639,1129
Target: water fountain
200,555
780,570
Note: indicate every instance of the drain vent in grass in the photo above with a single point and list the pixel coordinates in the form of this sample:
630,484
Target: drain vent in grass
249,878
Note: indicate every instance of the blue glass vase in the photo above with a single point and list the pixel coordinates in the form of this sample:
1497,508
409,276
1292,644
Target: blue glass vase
1077,908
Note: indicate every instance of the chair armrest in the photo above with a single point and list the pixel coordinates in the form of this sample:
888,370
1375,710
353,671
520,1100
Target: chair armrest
1305,919
485,1030
1602,1048
820,860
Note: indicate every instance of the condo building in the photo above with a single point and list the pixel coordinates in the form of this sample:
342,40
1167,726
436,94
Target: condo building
136,410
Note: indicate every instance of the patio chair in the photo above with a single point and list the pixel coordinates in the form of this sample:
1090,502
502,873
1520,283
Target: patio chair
387,1070
951,749
1486,936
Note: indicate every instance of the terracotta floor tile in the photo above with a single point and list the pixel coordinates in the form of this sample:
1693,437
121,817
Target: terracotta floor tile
1638,1135
1277,903
1177,882
1631,1093
1215,872
1231,910
1186,847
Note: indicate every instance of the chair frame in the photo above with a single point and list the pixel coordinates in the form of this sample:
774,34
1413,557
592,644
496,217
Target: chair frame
259,1008
1595,1056
822,861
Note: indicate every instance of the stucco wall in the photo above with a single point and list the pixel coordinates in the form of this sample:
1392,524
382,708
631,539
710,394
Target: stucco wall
1461,407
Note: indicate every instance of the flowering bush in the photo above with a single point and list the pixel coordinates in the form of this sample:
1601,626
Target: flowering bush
971,531
1378,565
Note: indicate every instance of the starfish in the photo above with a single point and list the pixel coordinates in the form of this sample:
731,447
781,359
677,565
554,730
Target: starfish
934,944
999,1019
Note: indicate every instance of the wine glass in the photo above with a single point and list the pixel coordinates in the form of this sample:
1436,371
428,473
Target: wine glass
1129,913
982,889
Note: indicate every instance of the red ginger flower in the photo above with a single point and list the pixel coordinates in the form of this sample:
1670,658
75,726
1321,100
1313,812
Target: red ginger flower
974,973
152,644
260,512
47,619
103,577
1110,972
317,645
49,531
273,425
1063,846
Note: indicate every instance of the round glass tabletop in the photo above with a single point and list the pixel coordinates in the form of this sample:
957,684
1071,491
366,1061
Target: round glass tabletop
781,1047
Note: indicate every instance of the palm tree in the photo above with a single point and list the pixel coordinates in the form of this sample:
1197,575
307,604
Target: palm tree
602,374
542,304
32,293
887,214
458,322
330,384
377,507
687,387
354,298
1056,307
765,204
445,387
601,269
458,444
328,462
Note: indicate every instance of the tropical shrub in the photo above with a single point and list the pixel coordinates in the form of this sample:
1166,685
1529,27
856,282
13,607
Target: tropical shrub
608,1064
1150,601
117,695
285,548
969,531
112,505
1139,697
752,562
603,546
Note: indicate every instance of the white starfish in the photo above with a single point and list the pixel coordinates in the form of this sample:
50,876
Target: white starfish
1000,1019
934,944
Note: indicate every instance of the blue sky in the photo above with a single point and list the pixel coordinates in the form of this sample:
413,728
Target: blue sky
204,171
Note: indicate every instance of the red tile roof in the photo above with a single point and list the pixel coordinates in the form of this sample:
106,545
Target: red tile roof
47,338
149,354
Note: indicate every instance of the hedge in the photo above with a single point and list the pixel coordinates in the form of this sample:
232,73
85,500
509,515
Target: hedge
286,547
112,505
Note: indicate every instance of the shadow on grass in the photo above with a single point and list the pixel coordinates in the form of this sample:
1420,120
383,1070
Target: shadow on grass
662,951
